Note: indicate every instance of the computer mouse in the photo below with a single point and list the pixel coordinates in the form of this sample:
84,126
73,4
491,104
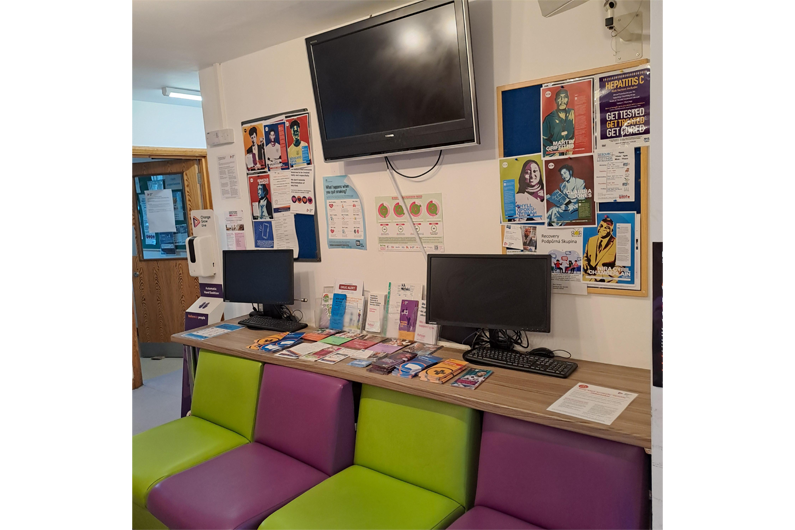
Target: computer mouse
543,352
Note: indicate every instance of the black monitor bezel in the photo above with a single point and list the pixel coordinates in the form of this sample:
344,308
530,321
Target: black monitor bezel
545,328
454,133
264,302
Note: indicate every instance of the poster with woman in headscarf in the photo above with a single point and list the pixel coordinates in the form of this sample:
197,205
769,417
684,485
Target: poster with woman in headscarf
522,185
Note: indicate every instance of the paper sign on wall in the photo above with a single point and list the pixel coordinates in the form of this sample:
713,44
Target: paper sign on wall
160,211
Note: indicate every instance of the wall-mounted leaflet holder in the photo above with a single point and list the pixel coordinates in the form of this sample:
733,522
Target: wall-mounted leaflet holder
203,263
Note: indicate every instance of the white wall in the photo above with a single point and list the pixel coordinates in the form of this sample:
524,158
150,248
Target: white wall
511,43
161,125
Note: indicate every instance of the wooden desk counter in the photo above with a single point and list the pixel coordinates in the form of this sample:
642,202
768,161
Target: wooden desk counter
510,393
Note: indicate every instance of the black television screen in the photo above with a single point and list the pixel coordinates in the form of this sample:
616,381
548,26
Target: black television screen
398,82
490,291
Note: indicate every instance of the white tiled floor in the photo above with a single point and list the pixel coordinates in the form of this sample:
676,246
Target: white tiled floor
159,400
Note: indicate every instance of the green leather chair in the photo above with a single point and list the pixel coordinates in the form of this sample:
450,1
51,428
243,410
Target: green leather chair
414,467
222,418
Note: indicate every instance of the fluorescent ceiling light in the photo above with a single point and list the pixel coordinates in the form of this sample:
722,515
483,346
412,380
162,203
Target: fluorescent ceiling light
182,93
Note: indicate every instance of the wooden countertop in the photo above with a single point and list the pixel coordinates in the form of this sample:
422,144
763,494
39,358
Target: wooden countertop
506,392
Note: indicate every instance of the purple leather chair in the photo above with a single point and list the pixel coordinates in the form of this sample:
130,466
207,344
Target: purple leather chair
534,476
304,433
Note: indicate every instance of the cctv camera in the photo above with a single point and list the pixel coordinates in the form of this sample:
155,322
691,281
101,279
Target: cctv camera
609,6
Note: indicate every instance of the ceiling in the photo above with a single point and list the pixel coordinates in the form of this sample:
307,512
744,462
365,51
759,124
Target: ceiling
174,39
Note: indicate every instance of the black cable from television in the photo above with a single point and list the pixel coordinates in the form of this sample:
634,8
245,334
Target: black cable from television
390,166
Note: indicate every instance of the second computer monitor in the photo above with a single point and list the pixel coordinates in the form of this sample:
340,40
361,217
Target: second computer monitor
490,291
259,276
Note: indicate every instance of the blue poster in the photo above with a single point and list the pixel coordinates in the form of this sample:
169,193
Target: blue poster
610,249
263,234
344,215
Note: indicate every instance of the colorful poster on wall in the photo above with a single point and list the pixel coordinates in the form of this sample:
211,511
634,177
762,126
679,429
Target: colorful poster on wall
567,126
565,248
298,142
234,228
344,215
610,250
259,192
254,146
614,175
522,188
624,109
302,190
394,228
657,314
263,234
275,146
570,185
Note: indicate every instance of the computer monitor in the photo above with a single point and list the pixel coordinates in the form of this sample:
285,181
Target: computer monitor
492,291
259,276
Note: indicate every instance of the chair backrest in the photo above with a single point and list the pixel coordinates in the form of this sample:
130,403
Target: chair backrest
560,479
307,416
226,391
421,441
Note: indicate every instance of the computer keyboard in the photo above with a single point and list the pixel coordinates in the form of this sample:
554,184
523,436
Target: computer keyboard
272,324
525,362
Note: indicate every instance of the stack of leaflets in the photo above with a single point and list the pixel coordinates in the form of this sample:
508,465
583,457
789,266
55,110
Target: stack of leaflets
416,365
286,342
360,363
319,354
387,364
320,334
472,378
333,358
389,346
267,340
302,349
444,371
422,349
342,338
364,341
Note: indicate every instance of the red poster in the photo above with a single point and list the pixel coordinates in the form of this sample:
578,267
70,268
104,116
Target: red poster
570,183
567,125
259,191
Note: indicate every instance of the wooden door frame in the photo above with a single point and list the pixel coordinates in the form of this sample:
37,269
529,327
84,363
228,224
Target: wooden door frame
182,153
138,378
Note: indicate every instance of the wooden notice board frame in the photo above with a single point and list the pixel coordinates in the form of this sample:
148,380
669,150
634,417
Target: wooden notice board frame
644,166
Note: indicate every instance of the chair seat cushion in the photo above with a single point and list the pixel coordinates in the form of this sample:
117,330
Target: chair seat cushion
482,518
173,447
359,497
237,489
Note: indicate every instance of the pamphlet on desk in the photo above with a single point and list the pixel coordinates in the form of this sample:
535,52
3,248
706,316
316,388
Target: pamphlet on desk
427,333
594,403
355,303
375,312
211,332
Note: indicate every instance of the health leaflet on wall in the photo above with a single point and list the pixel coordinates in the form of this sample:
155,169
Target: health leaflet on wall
234,228
394,228
564,247
522,187
567,126
280,190
302,190
570,184
344,215
611,251
227,177
284,235
614,175
624,109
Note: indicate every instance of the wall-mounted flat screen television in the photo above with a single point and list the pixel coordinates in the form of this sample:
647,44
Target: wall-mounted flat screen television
398,82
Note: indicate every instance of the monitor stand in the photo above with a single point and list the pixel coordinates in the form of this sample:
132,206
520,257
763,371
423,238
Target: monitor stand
495,341
269,310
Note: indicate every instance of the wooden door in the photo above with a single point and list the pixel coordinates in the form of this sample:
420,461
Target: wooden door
138,378
163,288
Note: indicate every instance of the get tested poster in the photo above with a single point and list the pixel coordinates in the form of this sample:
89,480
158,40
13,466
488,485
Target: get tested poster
522,188
254,147
610,250
275,146
298,148
570,191
259,192
567,123
624,104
